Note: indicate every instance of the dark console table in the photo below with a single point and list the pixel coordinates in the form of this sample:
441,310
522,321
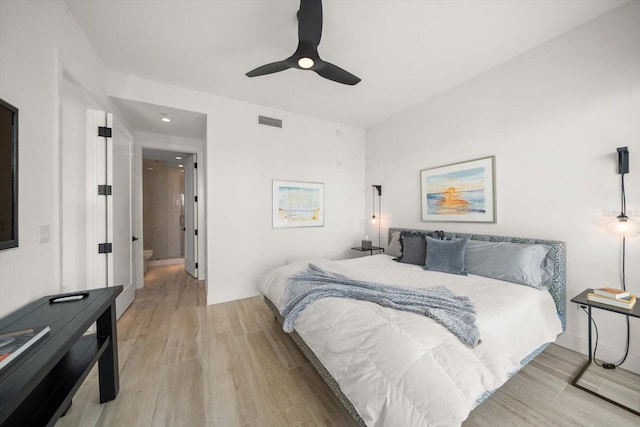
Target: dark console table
37,387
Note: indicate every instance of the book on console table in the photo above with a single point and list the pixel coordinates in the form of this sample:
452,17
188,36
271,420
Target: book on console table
612,293
14,343
627,303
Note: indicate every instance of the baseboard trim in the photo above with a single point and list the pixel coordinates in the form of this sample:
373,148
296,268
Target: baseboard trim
605,352
170,261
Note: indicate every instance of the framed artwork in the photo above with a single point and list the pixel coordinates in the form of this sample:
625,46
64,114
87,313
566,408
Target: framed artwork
298,204
460,192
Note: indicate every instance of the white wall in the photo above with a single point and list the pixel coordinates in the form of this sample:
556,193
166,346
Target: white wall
553,118
242,158
36,39
39,38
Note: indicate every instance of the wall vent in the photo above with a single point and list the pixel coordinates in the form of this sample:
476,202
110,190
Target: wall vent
269,121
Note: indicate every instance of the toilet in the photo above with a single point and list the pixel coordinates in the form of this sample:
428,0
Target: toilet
148,253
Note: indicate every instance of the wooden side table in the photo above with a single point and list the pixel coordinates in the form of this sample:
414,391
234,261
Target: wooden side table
582,300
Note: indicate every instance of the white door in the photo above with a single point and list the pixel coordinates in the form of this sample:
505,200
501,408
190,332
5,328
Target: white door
120,221
112,216
191,216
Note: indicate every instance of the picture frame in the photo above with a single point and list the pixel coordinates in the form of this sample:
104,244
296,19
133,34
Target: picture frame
297,204
459,192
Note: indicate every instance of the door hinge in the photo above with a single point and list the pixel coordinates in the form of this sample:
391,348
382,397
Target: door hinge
105,248
196,231
105,190
104,131
195,165
196,199
196,265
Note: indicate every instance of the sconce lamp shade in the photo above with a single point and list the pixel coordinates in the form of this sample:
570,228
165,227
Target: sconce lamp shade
623,226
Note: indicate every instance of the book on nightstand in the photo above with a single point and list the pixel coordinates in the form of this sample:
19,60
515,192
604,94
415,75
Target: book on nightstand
14,343
627,303
612,293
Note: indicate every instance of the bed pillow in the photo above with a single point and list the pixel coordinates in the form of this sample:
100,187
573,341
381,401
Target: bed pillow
394,248
512,262
414,249
446,256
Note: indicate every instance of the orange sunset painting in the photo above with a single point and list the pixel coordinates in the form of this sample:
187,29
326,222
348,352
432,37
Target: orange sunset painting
456,193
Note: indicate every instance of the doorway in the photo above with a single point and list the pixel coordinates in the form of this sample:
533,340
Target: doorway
169,211
169,133
95,195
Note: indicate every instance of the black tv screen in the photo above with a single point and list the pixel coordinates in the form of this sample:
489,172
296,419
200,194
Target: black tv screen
8,175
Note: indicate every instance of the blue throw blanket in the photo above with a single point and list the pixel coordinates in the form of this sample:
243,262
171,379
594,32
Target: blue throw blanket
454,312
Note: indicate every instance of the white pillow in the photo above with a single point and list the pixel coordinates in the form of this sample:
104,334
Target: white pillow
394,248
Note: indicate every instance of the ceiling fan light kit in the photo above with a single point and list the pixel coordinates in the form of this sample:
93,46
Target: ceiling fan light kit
306,55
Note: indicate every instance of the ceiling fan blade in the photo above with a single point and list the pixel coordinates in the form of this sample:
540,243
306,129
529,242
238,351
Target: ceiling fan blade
273,67
306,55
335,73
310,22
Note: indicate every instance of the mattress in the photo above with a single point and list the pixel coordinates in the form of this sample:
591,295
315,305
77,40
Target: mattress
400,368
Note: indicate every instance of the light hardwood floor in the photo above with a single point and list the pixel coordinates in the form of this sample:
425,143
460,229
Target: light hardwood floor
183,363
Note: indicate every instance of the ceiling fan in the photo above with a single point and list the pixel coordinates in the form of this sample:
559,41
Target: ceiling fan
306,55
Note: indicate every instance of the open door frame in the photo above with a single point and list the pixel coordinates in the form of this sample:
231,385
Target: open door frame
109,182
191,215
84,163
141,143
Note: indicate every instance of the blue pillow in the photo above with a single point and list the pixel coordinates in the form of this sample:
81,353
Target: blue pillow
446,256
512,262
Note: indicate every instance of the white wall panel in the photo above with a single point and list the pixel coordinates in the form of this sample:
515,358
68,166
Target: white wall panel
553,118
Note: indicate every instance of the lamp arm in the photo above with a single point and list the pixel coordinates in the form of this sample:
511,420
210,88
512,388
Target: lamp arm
623,197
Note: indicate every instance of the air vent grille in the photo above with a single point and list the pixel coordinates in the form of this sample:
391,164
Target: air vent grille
269,121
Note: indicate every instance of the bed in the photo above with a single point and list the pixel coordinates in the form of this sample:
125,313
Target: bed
390,367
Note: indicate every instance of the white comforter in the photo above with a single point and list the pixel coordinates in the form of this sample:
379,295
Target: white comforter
402,369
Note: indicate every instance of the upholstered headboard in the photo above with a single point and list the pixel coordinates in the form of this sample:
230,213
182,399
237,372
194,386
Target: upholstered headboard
557,253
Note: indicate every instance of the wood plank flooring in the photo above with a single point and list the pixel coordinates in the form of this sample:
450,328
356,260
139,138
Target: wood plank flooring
183,363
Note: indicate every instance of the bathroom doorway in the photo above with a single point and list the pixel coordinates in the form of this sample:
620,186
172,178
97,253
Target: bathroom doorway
169,211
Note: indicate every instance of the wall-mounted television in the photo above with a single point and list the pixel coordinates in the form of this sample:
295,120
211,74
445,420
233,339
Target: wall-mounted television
8,175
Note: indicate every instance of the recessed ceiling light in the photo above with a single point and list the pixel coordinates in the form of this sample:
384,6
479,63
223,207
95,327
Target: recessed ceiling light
165,117
178,158
180,166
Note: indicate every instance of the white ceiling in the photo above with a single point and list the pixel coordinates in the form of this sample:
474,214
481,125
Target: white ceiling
148,118
404,51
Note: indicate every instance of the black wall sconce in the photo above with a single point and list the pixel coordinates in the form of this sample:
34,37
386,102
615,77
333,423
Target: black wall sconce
623,225
375,219
373,201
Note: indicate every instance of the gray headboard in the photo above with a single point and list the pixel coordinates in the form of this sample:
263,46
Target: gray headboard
558,254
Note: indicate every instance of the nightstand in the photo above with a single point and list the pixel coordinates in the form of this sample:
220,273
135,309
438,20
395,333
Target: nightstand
582,300
370,250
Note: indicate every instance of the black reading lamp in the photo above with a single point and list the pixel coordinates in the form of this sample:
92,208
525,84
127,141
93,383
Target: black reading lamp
373,204
624,227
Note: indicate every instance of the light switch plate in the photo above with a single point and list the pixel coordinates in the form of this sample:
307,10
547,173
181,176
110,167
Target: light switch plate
43,233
